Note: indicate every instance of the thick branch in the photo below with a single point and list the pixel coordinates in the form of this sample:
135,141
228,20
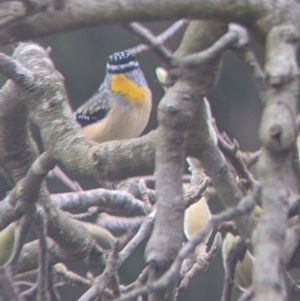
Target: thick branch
279,183
15,138
260,15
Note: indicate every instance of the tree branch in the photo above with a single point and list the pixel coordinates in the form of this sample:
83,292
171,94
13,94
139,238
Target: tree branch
113,202
276,175
72,15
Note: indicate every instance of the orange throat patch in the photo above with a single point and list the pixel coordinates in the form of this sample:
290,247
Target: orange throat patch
120,83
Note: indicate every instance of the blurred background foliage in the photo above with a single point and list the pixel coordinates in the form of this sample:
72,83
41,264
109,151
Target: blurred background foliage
81,57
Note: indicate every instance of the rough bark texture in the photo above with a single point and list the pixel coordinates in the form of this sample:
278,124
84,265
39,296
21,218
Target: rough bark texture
276,174
40,18
183,130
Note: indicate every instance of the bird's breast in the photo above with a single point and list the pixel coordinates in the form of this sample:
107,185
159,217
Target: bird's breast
120,83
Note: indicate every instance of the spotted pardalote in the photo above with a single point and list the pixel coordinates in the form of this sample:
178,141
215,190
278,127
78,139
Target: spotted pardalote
121,107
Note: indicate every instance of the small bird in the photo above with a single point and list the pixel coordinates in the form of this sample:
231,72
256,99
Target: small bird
121,107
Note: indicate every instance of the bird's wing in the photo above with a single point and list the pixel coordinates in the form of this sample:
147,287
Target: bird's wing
94,109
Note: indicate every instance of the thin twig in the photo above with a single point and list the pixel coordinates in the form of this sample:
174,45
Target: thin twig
249,158
70,277
101,281
115,285
293,288
242,48
145,196
161,38
42,280
256,72
202,262
144,231
23,230
189,61
54,294
30,294
146,36
235,254
190,199
231,151
216,49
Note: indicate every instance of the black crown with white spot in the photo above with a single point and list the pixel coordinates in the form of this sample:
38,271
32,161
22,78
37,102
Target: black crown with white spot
120,62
